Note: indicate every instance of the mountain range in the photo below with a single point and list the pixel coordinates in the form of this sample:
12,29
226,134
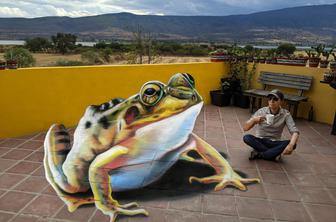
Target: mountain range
300,25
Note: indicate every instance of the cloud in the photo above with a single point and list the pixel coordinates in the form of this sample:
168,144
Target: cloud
76,8
12,12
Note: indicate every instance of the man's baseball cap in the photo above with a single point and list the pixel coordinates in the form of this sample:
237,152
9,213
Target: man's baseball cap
277,93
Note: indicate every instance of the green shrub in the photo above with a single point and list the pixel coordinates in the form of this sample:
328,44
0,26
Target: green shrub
286,49
91,57
22,56
38,44
63,62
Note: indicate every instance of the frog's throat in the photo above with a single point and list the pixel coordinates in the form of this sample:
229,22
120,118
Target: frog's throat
179,124
140,123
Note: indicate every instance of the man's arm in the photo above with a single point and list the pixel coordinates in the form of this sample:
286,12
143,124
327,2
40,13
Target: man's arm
290,147
295,134
251,122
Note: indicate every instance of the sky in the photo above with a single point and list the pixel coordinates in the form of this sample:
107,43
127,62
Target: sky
77,8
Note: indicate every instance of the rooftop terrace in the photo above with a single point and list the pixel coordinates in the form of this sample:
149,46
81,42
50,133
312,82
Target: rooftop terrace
300,188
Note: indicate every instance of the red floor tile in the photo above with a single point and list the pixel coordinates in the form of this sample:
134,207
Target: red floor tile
254,208
219,204
81,214
5,164
4,217
17,154
32,184
24,167
11,143
31,145
290,211
44,205
14,201
322,213
9,180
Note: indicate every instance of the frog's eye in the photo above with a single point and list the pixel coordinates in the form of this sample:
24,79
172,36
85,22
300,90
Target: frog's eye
151,93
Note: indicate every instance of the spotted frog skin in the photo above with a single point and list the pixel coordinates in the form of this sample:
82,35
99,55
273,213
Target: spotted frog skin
128,144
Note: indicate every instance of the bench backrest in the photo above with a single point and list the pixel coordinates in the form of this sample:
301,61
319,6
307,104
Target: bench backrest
299,82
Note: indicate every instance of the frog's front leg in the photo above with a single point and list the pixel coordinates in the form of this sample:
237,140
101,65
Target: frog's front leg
101,185
225,175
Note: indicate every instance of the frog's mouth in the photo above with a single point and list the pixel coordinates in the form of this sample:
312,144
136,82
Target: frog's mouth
131,114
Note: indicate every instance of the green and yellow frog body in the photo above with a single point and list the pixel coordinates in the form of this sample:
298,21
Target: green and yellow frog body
128,144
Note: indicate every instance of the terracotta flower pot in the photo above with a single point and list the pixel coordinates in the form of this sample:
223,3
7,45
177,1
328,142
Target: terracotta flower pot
324,64
333,65
2,65
12,64
328,77
314,62
292,62
220,57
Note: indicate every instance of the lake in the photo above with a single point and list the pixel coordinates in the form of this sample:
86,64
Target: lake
21,42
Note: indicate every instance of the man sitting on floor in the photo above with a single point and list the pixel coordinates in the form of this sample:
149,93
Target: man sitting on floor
267,143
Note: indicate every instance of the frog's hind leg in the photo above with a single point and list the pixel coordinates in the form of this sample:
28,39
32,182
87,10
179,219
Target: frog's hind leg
225,175
100,182
56,148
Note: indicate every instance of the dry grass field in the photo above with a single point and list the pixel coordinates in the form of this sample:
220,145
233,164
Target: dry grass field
43,60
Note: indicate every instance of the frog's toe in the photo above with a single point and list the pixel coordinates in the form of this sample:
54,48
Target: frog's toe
205,180
233,182
129,205
131,212
74,203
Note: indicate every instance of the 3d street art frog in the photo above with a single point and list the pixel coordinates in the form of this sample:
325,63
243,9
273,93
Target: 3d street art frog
129,144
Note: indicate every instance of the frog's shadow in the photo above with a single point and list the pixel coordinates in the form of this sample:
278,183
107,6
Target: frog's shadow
175,182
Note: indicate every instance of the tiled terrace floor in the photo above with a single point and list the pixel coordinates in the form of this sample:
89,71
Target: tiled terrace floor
300,188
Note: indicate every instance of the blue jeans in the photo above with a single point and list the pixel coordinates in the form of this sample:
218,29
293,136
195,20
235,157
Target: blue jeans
267,148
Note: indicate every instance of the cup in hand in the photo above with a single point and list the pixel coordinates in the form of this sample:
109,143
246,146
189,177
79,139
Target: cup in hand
269,119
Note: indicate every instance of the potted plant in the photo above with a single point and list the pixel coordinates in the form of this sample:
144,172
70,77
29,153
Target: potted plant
245,77
2,65
271,56
12,64
240,79
326,53
314,55
333,63
221,97
329,76
248,53
220,55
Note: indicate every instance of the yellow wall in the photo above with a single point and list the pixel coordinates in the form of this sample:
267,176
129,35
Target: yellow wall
34,98
321,96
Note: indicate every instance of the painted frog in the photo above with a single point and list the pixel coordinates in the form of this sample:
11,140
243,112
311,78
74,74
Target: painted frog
128,144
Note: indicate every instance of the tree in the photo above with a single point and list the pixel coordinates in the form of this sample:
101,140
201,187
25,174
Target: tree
63,42
22,56
101,45
286,49
38,44
143,46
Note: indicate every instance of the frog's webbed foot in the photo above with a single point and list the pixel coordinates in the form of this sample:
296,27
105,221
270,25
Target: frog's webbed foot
224,181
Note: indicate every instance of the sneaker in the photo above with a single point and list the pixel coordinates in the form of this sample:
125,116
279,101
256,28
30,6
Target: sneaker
254,155
278,158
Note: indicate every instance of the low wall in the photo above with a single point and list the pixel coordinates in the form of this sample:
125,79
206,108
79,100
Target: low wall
34,98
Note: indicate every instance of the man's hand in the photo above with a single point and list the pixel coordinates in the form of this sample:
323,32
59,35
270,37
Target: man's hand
251,122
288,150
259,119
